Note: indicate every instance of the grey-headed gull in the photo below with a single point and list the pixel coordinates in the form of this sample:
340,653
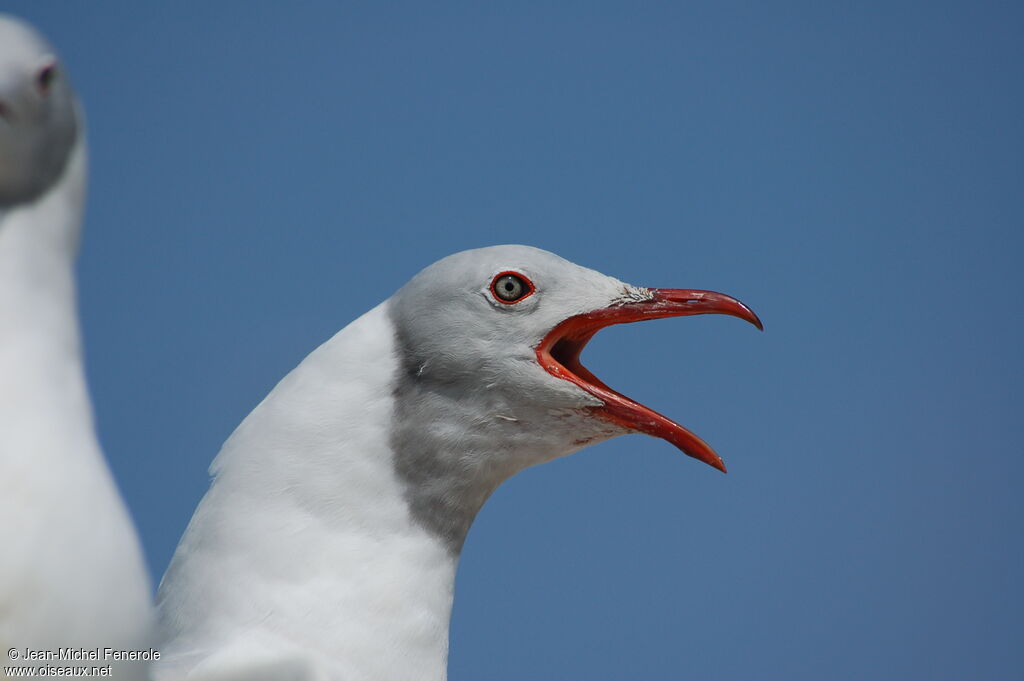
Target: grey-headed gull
327,544
71,568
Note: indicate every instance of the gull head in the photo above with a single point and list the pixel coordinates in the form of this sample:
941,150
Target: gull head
39,121
489,343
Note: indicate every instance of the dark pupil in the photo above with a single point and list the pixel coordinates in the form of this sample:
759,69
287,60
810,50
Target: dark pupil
510,287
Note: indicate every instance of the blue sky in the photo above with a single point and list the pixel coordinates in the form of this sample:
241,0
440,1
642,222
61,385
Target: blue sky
263,173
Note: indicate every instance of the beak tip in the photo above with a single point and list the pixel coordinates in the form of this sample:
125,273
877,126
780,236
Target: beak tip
752,317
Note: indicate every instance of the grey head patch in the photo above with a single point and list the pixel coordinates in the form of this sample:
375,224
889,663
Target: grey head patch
39,121
444,493
472,404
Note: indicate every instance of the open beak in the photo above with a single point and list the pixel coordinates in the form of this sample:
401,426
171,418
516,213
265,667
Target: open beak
559,354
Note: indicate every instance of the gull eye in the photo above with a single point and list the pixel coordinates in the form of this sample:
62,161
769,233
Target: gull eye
509,287
45,78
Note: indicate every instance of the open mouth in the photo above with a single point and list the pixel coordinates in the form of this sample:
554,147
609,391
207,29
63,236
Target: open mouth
559,354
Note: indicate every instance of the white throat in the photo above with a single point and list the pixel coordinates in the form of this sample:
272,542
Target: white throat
39,344
304,552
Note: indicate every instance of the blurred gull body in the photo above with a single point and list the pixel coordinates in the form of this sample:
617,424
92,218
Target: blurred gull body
71,568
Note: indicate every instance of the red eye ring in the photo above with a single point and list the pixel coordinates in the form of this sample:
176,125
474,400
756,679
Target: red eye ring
514,287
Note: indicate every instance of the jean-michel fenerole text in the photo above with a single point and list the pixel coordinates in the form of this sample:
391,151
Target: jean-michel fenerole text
89,654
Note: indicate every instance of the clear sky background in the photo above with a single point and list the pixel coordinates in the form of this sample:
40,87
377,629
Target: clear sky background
263,173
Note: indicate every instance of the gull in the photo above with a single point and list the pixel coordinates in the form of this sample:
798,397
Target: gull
72,573
327,544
